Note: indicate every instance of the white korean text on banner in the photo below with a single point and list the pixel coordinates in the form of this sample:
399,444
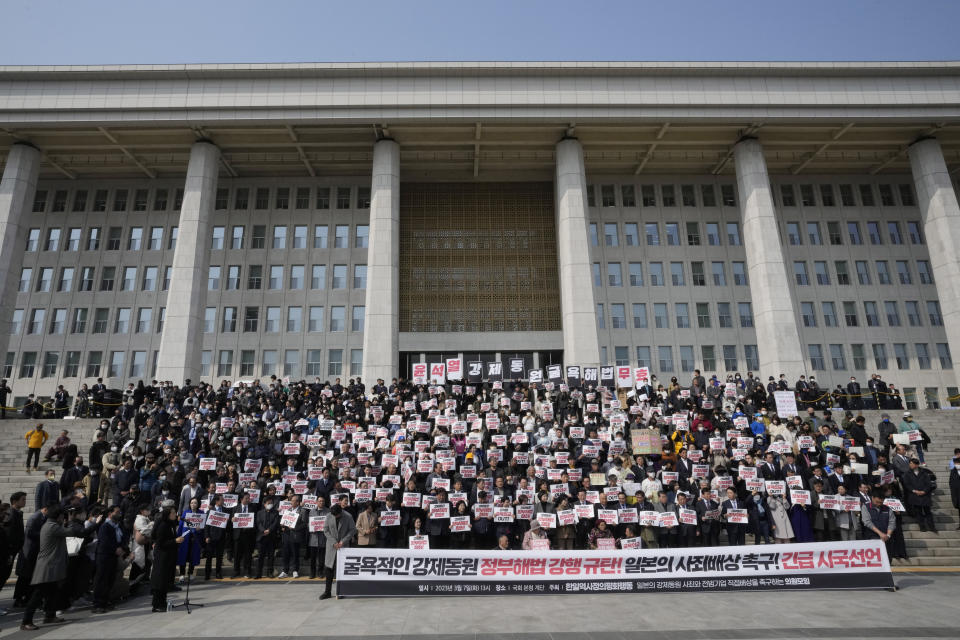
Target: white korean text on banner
855,564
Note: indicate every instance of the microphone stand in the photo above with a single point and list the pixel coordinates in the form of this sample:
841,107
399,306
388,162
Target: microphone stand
186,604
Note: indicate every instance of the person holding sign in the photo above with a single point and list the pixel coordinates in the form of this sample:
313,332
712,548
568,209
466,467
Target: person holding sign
688,530
189,550
599,532
339,531
244,537
215,539
730,510
536,532
780,524
292,537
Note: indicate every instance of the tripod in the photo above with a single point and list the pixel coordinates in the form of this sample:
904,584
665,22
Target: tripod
186,596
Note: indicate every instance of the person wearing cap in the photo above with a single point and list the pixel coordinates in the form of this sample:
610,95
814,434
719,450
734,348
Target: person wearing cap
886,429
536,532
909,424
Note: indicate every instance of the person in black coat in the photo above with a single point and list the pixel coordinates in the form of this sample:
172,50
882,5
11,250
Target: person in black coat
687,534
244,540
954,484
13,532
165,543
47,491
736,532
215,540
267,524
110,548
28,556
854,401
709,527
292,538
918,486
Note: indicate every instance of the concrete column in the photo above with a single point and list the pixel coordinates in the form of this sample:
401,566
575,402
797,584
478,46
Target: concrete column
181,342
941,225
775,318
581,345
381,335
17,190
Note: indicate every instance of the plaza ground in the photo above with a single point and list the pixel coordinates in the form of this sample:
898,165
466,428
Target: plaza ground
924,607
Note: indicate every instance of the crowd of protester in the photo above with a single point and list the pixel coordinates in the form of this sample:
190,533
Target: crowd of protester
276,476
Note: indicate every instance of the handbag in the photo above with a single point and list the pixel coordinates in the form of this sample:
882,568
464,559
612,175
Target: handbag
73,545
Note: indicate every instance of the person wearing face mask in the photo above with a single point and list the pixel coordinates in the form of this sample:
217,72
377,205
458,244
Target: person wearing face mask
47,491
140,544
110,548
886,428
339,531
267,524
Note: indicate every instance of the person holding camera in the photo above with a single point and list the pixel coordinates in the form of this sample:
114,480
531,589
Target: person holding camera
51,568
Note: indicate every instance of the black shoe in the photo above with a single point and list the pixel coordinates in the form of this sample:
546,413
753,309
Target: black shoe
175,588
934,530
54,620
98,610
219,576
28,627
206,577
155,610
325,596
258,576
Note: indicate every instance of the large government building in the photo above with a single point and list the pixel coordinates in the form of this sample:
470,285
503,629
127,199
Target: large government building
322,220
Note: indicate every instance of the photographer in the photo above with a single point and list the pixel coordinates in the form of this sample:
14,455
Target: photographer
51,567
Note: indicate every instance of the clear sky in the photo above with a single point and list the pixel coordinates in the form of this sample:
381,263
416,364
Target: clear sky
183,31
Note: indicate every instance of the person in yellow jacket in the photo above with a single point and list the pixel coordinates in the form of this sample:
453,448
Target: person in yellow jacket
35,438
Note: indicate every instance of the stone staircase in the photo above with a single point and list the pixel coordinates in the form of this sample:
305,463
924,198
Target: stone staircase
928,549
925,549
13,453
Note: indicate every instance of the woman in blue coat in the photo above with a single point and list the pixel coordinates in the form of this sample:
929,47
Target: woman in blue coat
189,549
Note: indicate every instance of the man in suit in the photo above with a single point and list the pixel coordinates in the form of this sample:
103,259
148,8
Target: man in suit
244,540
854,401
684,468
769,469
789,465
267,524
127,476
110,548
28,556
51,567
215,539
190,491
709,527
13,530
291,538
687,534
339,530
736,532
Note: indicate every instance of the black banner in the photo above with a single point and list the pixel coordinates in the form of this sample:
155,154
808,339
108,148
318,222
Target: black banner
475,372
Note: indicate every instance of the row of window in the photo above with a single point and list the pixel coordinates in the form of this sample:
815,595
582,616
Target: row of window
671,234
690,195
297,239
894,232
215,278
134,240
270,365
231,322
125,321
665,362
871,314
108,279
655,274
704,318
718,273
122,199
681,314
668,195
119,365
881,359
275,278
864,276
